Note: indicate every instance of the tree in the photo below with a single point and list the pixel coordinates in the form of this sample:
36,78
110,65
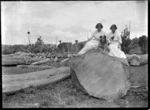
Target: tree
125,46
28,37
134,43
39,41
59,41
143,43
38,45
81,45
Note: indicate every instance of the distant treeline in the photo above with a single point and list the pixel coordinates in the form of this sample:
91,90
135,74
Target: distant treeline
135,46
40,47
129,46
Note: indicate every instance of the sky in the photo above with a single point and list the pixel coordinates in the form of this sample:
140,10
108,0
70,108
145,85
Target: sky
69,20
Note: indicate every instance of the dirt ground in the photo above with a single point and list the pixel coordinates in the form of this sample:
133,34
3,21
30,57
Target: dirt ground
64,94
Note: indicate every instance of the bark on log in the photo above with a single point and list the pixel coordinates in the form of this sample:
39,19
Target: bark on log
12,83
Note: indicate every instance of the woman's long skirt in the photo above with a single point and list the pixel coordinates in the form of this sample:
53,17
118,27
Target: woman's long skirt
93,44
115,51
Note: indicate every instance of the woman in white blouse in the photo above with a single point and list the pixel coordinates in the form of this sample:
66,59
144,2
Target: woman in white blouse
115,42
94,40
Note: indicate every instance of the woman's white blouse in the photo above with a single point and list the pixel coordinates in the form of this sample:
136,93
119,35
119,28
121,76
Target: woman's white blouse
96,35
117,37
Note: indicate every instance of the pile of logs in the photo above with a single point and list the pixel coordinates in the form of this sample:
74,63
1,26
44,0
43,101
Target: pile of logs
28,59
51,74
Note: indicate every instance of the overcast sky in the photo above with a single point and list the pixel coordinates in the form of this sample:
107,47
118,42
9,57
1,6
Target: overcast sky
69,20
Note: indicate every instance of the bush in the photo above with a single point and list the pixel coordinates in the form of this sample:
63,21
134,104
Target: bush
143,43
40,47
134,43
125,46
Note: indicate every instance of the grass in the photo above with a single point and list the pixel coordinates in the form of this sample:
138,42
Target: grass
64,94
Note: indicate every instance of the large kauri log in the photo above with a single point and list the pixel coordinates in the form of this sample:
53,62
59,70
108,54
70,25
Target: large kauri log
12,83
100,75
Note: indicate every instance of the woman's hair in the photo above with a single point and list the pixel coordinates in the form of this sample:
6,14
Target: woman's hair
99,24
113,26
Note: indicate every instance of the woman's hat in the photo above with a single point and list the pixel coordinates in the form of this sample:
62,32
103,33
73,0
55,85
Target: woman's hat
99,24
113,26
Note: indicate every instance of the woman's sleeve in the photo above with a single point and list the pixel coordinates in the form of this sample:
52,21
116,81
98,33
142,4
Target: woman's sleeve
91,36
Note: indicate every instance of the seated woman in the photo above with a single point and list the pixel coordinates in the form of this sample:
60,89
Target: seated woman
115,43
94,40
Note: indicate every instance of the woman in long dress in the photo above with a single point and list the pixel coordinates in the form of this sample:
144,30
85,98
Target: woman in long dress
115,42
94,40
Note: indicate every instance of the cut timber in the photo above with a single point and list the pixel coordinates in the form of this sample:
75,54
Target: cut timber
41,62
7,56
137,60
30,60
65,60
12,83
10,61
18,60
100,75
34,59
35,66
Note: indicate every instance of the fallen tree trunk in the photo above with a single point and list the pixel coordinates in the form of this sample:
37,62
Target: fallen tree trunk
13,61
137,60
7,56
100,75
17,60
35,66
41,62
12,83
65,60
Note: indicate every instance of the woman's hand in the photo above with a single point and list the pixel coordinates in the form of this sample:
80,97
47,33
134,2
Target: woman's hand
119,46
88,40
112,38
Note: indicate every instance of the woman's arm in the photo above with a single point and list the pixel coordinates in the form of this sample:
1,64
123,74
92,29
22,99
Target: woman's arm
90,38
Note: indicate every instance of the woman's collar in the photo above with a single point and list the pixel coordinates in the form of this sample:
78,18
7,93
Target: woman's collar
114,32
99,31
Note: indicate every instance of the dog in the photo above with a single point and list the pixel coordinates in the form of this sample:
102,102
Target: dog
103,43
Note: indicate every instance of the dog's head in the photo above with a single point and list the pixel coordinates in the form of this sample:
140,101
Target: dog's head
103,39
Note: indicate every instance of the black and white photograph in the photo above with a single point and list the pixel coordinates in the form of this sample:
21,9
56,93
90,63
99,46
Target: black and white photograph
74,54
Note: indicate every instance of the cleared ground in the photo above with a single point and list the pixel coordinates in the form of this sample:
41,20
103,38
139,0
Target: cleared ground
65,94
